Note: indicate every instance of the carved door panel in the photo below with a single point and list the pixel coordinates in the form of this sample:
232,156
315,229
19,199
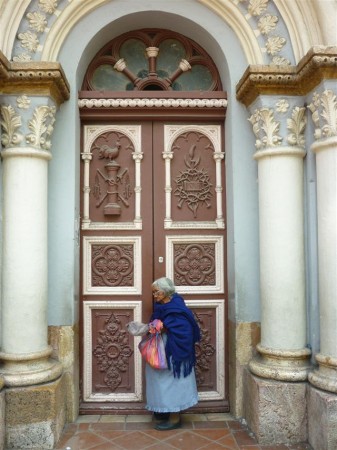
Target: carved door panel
152,205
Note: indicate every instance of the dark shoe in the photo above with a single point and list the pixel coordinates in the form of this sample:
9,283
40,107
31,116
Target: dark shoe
166,426
161,416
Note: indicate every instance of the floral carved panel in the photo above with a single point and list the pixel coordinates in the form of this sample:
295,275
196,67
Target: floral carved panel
113,350
112,366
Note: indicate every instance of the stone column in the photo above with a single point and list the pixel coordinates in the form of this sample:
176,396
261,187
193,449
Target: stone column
27,126
323,405
282,356
30,96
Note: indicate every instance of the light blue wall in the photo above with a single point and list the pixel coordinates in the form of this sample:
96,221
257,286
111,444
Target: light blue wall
217,38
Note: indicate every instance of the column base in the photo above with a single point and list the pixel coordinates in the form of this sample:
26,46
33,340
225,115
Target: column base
325,377
35,415
275,411
322,419
283,365
28,369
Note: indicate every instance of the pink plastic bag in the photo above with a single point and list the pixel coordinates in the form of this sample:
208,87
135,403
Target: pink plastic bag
152,347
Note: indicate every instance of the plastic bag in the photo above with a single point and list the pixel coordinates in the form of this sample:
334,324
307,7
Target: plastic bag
152,347
137,328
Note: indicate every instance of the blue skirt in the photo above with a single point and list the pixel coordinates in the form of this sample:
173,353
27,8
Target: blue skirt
164,393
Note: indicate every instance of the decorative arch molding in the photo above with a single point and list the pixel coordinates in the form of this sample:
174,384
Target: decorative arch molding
258,25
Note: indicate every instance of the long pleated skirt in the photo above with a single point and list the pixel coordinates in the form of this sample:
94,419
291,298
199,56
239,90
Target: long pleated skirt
165,393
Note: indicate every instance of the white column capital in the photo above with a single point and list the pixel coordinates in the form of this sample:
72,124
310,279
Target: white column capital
279,122
323,108
27,121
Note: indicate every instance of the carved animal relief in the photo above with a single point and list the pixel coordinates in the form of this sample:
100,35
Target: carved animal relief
111,185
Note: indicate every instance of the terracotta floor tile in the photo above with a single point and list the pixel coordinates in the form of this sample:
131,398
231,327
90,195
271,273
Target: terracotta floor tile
243,438
107,446
187,440
135,440
195,434
228,442
84,441
213,434
215,424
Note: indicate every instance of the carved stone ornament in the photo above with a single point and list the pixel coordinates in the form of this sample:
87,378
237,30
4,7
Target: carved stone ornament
41,127
10,124
318,64
152,103
324,114
296,125
32,78
265,128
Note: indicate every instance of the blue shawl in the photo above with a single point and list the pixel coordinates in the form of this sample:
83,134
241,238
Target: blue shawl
182,334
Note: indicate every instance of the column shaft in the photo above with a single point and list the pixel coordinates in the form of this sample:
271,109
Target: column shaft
24,250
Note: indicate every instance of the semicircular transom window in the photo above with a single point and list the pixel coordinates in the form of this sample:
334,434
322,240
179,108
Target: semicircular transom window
152,60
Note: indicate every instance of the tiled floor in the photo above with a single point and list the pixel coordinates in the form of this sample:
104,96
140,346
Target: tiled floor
199,432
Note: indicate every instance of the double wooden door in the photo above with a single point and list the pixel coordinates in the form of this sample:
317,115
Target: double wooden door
153,204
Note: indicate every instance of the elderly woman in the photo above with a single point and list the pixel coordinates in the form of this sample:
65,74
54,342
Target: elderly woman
172,390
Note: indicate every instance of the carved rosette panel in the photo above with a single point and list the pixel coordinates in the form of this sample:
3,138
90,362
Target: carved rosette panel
193,178
112,173
109,265
112,265
112,352
194,264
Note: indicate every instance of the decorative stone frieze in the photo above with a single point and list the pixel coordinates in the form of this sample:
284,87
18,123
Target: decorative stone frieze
33,78
151,103
320,63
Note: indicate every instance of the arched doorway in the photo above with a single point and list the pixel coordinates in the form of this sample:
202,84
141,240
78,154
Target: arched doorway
152,204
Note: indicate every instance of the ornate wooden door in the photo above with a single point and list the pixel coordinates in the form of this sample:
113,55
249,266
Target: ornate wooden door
152,205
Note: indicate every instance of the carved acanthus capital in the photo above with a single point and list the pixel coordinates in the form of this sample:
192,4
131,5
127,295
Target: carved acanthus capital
25,123
324,114
270,132
265,128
